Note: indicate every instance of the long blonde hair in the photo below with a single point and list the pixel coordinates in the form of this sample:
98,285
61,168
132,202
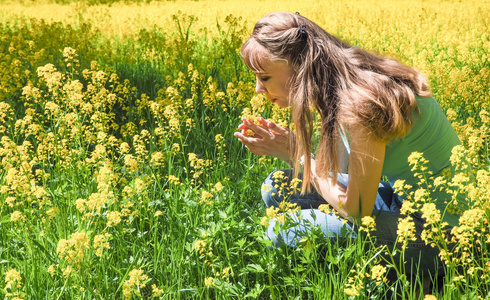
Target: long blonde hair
345,84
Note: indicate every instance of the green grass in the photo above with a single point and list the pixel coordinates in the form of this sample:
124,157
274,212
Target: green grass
164,246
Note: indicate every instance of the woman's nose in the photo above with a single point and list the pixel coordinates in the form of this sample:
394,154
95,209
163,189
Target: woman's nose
259,87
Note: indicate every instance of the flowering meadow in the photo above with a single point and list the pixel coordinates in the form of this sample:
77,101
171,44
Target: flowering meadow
120,177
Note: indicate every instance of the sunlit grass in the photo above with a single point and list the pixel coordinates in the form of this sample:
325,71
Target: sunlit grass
120,176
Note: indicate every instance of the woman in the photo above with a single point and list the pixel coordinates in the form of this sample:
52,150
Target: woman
374,113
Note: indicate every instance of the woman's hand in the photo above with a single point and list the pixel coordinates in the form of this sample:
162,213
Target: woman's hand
269,139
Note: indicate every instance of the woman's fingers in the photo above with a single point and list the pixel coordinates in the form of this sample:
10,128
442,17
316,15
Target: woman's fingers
252,144
268,138
273,126
256,128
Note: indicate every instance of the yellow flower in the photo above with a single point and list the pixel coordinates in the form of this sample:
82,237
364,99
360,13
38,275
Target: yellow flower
351,291
131,163
137,280
206,197
430,297
430,213
13,279
73,250
101,243
16,216
407,208
227,272
174,180
157,158
155,291
472,218
377,274
406,230
368,224
272,212
113,218
52,270
209,281
218,186
421,195
124,147
219,138
200,246
67,271
325,208
175,148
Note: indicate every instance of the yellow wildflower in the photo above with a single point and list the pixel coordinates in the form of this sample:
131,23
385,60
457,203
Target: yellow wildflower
377,274
155,291
209,281
52,270
405,231
137,280
368,224
206,198
430,213
113,218
16,216
13,279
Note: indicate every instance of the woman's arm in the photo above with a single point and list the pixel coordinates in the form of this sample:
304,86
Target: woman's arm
365,167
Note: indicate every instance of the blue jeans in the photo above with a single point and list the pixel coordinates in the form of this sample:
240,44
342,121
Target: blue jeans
386,213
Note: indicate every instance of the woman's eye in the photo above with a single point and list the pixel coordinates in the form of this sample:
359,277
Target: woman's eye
264,79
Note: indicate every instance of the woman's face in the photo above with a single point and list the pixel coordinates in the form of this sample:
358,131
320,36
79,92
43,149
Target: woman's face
273,82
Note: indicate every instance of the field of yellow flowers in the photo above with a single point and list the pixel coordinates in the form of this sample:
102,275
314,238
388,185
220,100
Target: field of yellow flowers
120,177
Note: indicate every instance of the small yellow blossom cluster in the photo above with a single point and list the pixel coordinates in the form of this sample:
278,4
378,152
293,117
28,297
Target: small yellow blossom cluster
198,167
174,180
140,142
283,214
155,291
284,188
467,237
219,277
225,273
206,198
368,224
360,277
221,147
76,250
136,281
326,209
209,282
93,206
101,242
378,273
355,283
13,282
157,159
6,113
17,216
205,251
406,231
71,57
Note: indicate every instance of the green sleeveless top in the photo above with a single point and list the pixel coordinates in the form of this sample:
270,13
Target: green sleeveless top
432,135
